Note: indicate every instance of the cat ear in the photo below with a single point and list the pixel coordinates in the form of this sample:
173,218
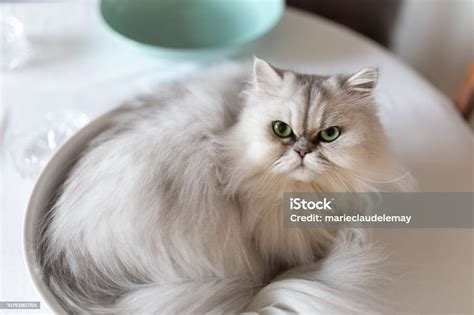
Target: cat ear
265,76
363,81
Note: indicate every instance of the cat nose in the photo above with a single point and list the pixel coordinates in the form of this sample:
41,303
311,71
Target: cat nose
302,152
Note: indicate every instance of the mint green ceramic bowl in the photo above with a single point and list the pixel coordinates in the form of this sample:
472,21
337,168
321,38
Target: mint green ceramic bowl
188,27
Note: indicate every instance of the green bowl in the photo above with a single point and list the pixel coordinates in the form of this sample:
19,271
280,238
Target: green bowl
189,27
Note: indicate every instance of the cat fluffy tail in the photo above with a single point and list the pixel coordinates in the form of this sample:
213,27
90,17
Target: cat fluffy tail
212,297
345,282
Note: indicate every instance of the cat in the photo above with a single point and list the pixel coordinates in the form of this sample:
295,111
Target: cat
177,207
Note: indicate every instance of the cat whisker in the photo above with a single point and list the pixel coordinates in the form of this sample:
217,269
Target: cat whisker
342,181
382,181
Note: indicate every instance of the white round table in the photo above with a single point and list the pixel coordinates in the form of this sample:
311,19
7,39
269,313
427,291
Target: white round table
82,67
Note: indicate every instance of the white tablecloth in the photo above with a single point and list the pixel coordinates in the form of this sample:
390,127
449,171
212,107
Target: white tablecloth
80,66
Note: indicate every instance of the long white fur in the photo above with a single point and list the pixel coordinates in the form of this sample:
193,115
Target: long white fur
177,207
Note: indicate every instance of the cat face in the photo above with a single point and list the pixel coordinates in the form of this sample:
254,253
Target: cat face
304,126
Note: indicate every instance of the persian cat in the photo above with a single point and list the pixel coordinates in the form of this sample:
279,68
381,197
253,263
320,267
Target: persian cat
177,207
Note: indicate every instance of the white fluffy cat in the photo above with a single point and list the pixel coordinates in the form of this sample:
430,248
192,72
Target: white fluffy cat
177,208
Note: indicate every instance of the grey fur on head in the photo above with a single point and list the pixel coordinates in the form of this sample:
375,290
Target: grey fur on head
177,207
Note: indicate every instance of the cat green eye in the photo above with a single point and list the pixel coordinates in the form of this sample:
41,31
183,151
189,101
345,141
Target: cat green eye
281,129
330,134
